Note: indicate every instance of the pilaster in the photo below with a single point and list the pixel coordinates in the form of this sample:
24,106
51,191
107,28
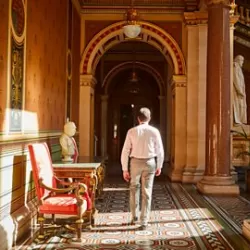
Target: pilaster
196,30
162,100
86,115
178,127
104,110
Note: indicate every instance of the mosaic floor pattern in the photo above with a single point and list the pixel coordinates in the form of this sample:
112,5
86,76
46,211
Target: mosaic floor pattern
180,219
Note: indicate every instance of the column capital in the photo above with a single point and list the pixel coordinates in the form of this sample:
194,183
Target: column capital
179,81
88,81
194,18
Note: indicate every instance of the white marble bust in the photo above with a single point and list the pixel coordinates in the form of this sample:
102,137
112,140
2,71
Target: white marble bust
67,141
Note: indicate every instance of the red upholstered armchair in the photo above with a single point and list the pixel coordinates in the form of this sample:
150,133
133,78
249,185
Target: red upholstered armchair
51,199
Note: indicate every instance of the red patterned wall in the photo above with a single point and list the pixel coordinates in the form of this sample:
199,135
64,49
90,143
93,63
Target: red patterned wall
3,58
75,66
93,27
172,28
46,62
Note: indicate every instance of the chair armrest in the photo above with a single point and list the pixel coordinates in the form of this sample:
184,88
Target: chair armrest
57,190
64,183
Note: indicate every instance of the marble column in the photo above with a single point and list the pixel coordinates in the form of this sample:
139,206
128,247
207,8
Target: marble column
86,115
217,178
104,121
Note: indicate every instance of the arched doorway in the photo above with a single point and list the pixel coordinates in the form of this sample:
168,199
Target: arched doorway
175,87
125,98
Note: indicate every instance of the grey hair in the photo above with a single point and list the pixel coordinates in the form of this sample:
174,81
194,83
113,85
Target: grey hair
144,114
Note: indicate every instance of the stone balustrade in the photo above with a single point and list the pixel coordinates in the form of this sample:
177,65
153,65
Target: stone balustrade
243,10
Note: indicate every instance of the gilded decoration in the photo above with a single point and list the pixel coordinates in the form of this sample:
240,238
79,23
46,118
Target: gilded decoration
16,65
18,16
153,33
16,92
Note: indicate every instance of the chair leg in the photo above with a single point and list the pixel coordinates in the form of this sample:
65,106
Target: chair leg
79,224
92,216
41,230
53,219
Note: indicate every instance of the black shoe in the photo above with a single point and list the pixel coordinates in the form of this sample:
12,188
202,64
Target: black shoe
134,220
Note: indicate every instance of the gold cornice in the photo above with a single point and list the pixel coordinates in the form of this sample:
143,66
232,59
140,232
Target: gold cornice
194,18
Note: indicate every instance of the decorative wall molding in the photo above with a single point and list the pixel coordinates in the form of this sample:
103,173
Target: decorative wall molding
242,41
18,138
195,18
113,35
127,65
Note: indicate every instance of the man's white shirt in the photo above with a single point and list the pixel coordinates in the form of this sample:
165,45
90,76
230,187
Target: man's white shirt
143,141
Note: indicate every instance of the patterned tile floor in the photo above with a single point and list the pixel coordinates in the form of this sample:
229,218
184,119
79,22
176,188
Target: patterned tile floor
180,219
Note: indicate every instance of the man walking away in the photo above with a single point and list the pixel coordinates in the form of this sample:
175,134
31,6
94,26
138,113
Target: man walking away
143,148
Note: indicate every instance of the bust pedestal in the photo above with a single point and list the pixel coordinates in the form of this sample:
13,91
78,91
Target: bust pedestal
67,158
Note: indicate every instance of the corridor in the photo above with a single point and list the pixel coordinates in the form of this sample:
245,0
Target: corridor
181,218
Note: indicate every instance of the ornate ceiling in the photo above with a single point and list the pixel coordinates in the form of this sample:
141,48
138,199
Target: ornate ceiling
142,4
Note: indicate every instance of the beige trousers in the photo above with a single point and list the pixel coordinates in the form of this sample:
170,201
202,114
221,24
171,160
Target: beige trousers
142,173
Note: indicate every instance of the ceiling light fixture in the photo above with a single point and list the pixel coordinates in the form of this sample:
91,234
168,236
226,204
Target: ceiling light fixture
132,29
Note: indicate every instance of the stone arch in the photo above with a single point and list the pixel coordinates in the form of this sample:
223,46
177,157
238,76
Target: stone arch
113,35
177,90
122,66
